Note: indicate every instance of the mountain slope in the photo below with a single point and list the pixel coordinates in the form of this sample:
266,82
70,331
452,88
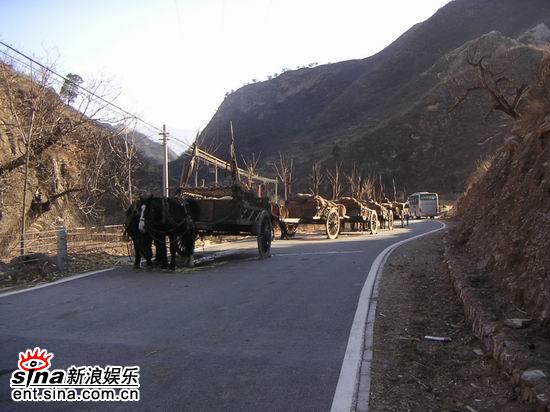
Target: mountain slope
358,111
77,167
504,215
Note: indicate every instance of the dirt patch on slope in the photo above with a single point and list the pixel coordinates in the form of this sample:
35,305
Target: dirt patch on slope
505,213
416,299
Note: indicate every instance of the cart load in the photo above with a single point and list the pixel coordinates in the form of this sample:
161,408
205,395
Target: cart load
358,215
232,211
385,215
398,210
311,209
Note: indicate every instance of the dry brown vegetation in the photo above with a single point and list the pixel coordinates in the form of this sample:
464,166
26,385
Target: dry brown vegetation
505,213
60,163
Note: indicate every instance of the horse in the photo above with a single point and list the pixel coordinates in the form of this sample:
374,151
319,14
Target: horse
167,217
385,215
142,242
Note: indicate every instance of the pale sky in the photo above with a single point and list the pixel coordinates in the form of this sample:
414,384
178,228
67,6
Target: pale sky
173,60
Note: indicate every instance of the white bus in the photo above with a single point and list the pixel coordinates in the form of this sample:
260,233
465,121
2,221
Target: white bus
424,204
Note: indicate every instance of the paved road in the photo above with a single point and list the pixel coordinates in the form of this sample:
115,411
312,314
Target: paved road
234,334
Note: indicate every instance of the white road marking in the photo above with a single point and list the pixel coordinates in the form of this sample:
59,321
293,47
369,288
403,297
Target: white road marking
361,334
57,282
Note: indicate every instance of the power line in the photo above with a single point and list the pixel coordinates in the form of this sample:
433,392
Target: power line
89,92
110,103
59,82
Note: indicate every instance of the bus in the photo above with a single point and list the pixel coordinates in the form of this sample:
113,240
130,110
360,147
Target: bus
423,204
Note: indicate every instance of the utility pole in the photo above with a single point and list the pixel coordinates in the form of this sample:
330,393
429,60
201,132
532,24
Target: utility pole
165,134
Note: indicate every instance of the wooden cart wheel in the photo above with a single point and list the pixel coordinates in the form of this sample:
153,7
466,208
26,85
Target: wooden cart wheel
390,220
374,224
264,235
333,224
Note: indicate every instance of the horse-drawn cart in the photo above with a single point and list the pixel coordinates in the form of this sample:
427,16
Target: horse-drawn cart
359,216
231,211
398,210
385,215
310,209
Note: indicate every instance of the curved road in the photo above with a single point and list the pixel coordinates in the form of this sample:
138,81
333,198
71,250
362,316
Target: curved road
236,333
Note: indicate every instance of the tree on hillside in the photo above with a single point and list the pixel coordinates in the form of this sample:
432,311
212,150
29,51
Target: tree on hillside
32,108
335,179
367,189
316,177
357,186
506,95
36,119
283,168
109,171
69,89
251,166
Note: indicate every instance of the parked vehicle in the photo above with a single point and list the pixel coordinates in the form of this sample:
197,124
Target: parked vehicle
398,210
423,204
385,215
359,216
310,209
231,211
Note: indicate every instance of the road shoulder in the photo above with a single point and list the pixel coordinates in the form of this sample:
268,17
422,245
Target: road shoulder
408,372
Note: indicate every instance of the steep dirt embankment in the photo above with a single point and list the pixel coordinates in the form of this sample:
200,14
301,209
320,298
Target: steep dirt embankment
504,217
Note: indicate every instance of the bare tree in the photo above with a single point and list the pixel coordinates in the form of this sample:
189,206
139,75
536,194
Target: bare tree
335,179
122,161
283,168
367,188
382,192
38,116
316,177
505,95
38,119
355,180
251,166
32,109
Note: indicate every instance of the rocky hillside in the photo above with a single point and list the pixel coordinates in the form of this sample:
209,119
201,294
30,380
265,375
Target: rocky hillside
78,167
388,113
152,150
145,145
505,213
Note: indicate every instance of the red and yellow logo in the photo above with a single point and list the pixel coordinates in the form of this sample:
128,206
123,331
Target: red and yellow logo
37,360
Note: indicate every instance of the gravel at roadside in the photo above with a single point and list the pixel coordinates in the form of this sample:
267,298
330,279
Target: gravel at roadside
410,372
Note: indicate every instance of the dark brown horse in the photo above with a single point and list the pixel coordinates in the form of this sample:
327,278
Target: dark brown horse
142,242
162,218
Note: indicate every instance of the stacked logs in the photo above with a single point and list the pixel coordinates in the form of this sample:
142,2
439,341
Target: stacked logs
308,205
354,207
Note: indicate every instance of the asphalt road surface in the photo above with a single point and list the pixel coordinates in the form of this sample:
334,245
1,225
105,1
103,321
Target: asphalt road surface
235,333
